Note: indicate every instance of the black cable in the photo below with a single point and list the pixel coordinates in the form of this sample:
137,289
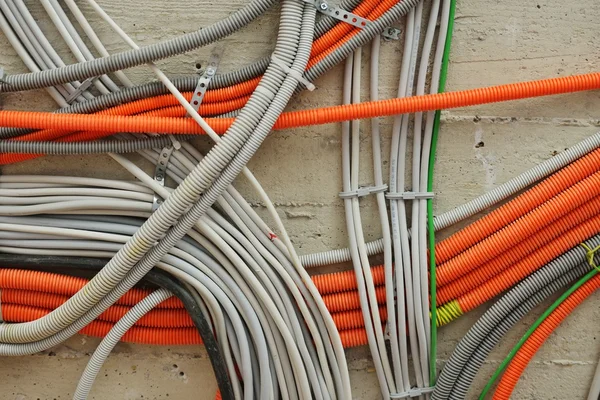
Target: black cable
83,266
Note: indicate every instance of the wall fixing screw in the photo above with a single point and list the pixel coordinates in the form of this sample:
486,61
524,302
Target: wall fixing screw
324,6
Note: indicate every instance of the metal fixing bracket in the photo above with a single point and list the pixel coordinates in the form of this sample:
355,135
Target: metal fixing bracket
160,172
338,13
205,78
391,33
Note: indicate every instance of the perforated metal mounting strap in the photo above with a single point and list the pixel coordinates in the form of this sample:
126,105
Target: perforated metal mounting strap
338,13
205,78
85,85
160,172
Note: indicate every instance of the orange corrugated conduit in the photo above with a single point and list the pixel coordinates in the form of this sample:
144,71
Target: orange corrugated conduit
528,265
500,263
431,102
521,229
47,282
538,337
504,215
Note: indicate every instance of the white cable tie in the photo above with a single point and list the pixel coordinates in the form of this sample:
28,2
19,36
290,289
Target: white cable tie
409,195
363,191
82,88
294,74
414,392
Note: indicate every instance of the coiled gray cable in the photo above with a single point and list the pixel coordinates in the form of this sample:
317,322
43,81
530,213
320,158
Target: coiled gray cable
90,147
541,278
132,58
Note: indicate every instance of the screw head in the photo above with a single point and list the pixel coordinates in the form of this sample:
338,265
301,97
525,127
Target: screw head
323,6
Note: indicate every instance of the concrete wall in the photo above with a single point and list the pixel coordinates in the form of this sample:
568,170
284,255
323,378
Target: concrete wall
480,147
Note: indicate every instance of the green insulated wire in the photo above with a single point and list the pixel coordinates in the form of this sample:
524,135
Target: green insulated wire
431,229
530,331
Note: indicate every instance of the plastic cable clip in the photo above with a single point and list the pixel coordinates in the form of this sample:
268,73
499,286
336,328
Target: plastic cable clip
338,13
85,85
205,78
409,195
294,74
414,392
363,191
160,172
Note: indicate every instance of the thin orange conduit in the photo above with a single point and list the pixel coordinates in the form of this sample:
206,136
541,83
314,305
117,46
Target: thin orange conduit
521,205
538,337
528,265
521,229
514,254
431,102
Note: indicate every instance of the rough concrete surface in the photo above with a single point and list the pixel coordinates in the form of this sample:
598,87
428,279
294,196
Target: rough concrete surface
480,148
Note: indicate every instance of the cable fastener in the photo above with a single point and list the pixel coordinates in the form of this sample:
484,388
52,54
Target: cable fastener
338,13
85,85
363,191
294,74
391,33
160,172
409,195
415,392
205,78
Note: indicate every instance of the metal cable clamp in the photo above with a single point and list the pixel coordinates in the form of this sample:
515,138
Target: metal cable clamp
160,171
409,195
363,191
415,392
205,78
338,13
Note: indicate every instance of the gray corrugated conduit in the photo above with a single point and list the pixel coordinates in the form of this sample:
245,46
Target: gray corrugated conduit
132,58
480,203
166,215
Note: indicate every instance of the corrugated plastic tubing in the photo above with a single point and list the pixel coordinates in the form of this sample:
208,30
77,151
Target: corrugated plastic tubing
430,102
536,340
525,267
519,230
532,329
48,291
144,335
150,335
502,216
158,317
498,264
67,285
345,280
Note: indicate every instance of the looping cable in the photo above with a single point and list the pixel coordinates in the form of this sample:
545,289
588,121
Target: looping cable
294,74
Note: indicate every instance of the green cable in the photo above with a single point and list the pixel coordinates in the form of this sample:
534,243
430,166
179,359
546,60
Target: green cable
529,332
430,227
